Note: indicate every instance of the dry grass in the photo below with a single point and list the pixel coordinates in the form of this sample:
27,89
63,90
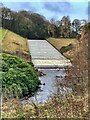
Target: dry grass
70,107
13,42
61,42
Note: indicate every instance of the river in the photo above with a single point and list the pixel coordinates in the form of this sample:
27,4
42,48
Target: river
49,86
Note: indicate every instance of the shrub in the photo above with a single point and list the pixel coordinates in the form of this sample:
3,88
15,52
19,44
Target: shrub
18,77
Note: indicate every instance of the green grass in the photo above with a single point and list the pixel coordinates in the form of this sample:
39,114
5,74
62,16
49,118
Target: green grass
2,33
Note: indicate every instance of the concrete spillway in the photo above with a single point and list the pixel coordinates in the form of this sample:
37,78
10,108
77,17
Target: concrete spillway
44,55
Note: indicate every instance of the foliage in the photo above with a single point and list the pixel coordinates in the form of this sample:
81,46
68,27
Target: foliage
68,107
35,26
58,107
78,74
65,25
26,24
18,77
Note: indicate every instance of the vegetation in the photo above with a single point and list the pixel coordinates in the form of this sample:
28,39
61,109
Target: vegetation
2,33
60,42
80,64
13,42
18,77
35,26
67,46
15,45
57,107
70,106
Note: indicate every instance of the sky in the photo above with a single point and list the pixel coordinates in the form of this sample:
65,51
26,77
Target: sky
56,9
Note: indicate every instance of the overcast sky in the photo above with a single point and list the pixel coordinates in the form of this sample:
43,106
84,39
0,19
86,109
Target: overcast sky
56,10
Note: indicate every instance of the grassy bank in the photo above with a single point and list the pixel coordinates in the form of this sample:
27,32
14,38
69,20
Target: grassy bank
69,47
13,42
2,33
15,45
67,107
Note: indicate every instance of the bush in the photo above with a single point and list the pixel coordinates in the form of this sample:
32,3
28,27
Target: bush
18,77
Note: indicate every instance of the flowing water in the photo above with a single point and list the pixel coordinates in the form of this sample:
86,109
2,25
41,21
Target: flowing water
48,87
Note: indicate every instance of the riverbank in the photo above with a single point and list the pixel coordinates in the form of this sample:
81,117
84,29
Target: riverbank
49,86
58,107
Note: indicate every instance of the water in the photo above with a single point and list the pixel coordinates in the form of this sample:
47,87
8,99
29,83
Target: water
42,57
49,88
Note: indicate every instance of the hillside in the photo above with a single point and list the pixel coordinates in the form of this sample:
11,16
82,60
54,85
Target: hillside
67,46
14,44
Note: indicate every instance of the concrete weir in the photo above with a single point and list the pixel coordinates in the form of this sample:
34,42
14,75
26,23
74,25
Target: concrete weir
44,55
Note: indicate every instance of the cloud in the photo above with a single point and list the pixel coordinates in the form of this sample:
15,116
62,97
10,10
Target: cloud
27,6
54,10
20,6
58,7
88,9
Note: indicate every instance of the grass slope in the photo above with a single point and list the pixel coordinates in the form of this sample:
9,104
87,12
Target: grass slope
13,42
68,45
2,33
60,42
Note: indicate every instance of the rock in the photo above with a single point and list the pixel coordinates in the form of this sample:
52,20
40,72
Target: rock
43,83
61,76
58,76
41,73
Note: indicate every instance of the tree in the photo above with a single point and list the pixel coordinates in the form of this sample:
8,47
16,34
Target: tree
25,23
76,25
51,28
65,27
6,17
